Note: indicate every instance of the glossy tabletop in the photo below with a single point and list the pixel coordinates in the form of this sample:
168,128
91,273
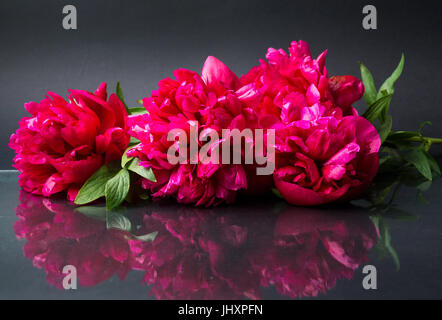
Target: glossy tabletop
259,248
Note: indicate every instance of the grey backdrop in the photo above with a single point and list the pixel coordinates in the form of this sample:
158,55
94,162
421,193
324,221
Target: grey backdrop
140,42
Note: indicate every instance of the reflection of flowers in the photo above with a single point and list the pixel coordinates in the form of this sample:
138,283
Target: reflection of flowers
201,254
312,250
197,255
58,236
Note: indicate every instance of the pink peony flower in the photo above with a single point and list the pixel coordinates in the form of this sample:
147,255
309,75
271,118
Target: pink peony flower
324,150
215,100
64,142
325,158
291,81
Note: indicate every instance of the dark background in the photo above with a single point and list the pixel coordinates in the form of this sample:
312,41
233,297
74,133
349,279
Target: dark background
141,42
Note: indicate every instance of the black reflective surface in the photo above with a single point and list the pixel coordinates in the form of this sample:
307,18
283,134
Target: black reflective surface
257,249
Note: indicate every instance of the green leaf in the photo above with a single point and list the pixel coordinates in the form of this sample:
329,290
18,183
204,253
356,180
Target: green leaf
370,89
420,161
387,87
433,163
385,128
147,237
136,110
117,188
120,95
423,125
399,136
116,220
140,101
94,187
133,141
376,109
125,159
401,139
142,171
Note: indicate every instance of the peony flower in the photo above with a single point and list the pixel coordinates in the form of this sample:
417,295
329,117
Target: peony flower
65,141
57,236
291,81
325,158
324,150
215,100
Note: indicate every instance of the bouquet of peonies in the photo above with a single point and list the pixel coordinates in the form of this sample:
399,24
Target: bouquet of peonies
207,138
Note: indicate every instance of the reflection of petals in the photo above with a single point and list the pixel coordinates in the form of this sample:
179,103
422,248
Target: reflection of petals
209,255
330,246
201,254
58,236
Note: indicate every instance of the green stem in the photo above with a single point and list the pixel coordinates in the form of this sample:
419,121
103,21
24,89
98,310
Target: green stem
427,139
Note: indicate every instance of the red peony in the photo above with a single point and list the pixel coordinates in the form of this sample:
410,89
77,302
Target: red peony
215,100
324,150
65,141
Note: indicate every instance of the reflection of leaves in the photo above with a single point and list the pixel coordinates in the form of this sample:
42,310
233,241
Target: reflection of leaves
384,245
93,212
147,237
117,220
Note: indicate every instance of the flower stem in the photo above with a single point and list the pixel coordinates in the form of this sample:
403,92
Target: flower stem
427,139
